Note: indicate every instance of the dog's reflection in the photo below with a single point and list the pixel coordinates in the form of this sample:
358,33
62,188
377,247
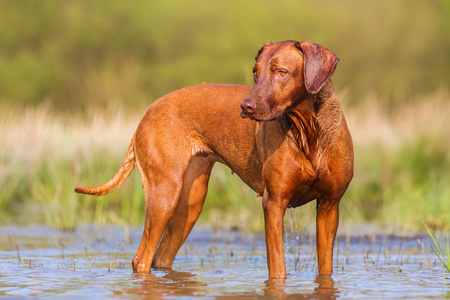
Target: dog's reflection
324,290
326,286
174,283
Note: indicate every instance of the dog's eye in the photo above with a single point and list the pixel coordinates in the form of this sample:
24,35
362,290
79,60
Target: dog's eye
255,75
282,73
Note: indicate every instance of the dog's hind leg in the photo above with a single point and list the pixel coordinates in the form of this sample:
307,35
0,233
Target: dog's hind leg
161,196
143,243
187,211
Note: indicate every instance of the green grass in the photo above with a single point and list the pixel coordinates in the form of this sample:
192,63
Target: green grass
445,261
401,170
402,160
76,76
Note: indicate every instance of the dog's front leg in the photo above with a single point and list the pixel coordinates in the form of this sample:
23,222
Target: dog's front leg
327,221
274,210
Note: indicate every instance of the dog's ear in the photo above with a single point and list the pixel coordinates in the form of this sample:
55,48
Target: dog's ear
319,65
261,49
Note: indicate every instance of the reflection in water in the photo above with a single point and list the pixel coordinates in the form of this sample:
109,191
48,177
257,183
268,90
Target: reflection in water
326,287
275,287
324,290
173,283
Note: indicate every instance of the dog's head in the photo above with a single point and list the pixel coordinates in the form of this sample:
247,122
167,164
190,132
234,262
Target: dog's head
284,73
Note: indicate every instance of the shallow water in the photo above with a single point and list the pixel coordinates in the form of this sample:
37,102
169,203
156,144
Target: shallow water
95,262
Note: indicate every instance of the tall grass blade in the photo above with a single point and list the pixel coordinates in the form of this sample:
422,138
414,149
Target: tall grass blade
439,254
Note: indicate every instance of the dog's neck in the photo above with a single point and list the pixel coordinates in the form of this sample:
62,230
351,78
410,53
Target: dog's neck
329,115
301,125
314,122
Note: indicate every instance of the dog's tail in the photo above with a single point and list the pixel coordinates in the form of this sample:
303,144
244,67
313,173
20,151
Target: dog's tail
122,174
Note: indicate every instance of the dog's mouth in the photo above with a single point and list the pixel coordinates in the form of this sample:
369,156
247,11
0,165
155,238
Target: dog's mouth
245,114
264,117
251,116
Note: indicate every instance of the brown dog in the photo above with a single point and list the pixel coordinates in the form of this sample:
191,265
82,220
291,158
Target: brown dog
288,140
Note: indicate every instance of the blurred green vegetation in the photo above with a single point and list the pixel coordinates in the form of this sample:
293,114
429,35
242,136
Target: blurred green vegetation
82,53
402,163
75,77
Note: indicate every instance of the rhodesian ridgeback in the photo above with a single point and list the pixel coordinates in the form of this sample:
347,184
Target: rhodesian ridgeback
286,137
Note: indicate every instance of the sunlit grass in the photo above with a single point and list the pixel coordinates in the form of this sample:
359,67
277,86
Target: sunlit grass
402,160
443,258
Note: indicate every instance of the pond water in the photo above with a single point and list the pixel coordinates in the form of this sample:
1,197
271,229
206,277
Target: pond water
95,261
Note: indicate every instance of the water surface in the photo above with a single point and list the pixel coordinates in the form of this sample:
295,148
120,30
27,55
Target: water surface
95,261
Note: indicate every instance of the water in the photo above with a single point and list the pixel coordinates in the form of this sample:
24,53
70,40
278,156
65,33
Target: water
94,262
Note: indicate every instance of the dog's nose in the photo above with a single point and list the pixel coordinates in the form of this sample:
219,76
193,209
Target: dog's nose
248,106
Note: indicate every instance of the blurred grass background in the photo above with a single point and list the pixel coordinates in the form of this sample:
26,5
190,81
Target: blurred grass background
76,77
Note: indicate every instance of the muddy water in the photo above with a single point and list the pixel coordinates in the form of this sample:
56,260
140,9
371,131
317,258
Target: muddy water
94,262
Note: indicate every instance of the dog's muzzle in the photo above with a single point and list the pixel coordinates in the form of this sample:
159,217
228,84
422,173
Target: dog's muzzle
248,107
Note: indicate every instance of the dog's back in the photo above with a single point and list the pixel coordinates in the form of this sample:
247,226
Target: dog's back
203,120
